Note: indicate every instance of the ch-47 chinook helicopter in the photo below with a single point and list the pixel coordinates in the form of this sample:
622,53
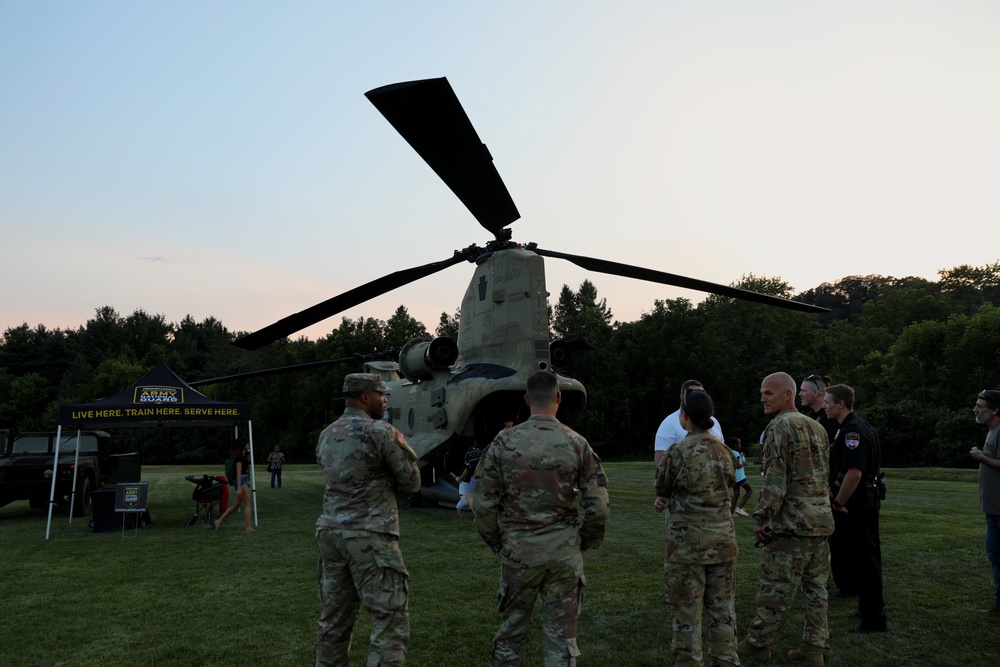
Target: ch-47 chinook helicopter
452,393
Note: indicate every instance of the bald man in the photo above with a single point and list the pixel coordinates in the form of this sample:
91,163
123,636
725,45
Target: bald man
793,520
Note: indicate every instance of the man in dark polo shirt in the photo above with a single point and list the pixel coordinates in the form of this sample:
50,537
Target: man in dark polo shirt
987,411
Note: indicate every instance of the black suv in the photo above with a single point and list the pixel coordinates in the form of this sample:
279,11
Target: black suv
26,468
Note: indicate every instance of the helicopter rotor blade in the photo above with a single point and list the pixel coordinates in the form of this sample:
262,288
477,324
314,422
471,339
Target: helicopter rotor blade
429,116
279,370
302,319
640,273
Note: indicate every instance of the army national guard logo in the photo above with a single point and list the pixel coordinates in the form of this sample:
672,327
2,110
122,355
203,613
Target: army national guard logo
852,440
157,395
131,496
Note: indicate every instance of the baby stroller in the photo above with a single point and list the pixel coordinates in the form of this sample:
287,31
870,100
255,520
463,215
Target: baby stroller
211,497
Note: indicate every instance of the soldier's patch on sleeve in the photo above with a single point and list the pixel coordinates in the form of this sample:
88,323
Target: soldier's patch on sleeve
852,440
400,440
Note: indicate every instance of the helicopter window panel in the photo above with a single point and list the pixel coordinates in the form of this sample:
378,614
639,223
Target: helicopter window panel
410,419
439,419
437,397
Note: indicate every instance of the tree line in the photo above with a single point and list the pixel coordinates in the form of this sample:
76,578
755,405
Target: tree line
916,351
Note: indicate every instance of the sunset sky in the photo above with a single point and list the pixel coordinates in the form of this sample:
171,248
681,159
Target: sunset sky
220,159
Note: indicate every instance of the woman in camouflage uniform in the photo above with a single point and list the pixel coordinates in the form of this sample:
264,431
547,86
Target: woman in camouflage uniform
693,481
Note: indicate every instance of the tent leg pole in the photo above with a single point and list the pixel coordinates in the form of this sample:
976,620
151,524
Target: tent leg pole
253,474
76,467
52,493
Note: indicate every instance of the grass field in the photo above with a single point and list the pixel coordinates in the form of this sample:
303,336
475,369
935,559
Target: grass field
176,595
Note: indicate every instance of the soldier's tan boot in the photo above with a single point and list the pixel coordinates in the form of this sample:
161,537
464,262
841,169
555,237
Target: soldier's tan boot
807,655
747,650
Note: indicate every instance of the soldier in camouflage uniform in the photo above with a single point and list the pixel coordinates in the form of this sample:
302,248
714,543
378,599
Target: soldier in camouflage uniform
526,512
794,519
694,477
365,461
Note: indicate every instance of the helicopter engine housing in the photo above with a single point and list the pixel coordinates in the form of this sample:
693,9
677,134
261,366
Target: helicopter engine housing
420,356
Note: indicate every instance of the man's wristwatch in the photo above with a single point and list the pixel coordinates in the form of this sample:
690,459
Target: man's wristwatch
836,504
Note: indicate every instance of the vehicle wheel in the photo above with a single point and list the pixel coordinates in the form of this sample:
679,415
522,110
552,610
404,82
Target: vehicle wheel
36,502
82,505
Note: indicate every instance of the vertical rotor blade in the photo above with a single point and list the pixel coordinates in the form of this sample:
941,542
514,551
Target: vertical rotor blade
429,116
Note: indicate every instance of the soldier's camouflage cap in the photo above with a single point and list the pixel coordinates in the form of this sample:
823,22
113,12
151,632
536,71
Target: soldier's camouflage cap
358,382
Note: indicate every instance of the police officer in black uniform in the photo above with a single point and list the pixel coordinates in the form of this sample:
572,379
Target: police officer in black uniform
811,394
856,490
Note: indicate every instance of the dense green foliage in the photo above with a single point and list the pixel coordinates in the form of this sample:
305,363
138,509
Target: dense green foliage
181,596
916,351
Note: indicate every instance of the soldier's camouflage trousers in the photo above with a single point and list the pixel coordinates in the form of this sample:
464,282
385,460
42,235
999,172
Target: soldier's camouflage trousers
366,570
787,562
695,588
560,585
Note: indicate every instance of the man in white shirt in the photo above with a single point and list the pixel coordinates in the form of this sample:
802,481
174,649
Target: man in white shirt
670,431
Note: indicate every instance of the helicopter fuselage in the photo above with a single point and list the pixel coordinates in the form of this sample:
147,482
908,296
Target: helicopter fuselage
504,325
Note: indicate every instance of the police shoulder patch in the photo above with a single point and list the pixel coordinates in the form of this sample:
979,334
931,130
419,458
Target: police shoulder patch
852,440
